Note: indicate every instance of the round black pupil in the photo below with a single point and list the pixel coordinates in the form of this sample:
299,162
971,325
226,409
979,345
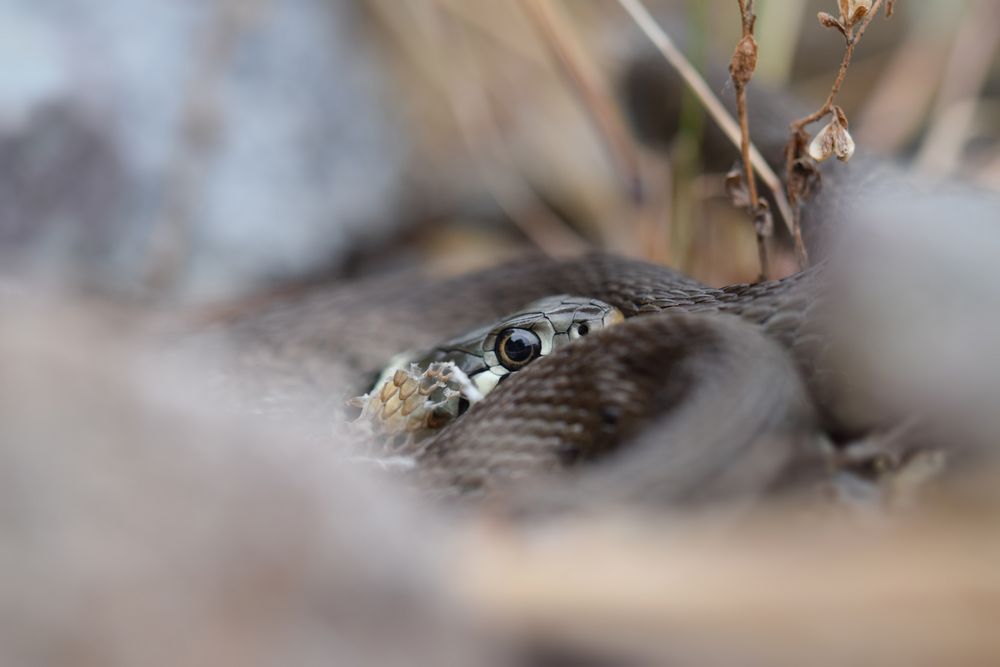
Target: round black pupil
520,346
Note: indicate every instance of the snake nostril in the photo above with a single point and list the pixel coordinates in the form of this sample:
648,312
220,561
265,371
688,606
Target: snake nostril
583,330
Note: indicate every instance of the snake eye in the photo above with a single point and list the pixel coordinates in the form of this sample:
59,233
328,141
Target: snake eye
516,347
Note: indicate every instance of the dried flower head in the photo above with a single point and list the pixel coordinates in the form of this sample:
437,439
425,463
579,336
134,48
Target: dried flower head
829,21
763,220
852,11
736,187
834,139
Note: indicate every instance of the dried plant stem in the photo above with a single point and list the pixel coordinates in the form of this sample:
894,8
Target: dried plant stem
797,134
741,70
852,40
638,12
582,78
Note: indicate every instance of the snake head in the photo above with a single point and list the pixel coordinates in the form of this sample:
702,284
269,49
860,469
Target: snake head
541,327
420,394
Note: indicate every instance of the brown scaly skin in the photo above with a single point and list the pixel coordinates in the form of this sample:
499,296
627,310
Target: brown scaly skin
672,407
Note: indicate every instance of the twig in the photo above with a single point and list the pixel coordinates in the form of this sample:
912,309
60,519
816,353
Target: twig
800,171
697,84
852,38
573,65
741,70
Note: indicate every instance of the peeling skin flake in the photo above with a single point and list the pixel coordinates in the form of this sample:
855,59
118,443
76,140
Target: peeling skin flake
412,403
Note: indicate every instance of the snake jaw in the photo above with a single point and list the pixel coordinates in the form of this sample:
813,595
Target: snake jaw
487,380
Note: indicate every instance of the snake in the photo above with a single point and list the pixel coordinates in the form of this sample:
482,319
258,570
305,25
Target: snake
678,390
676,362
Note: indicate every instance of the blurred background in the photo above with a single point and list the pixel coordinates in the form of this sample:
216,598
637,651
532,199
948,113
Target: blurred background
191,150
182,152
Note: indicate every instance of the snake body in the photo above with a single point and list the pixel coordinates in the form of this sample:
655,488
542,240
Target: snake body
701,400
700,388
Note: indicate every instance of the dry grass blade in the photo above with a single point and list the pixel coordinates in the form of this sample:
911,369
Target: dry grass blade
582,78
697,84
463,89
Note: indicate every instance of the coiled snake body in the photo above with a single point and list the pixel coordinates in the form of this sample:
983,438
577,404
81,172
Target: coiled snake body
699,392
682,401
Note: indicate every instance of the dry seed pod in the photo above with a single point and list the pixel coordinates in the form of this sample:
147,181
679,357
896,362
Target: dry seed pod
852,11
744,62
736,188
834,139
828,21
